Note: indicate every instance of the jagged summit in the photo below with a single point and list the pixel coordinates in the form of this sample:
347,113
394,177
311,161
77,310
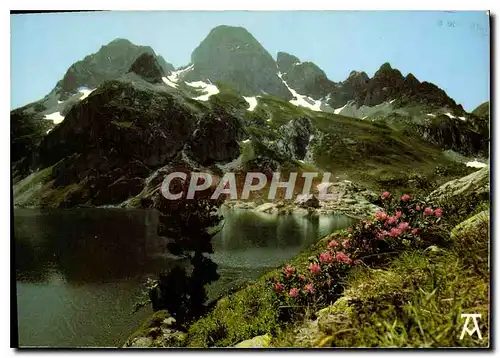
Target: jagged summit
232,55
111,61
386,66
285,60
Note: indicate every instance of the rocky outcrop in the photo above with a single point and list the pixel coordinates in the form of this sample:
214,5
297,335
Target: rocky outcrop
483,111
232,55
148,67
216,138
307,201
294,138
106,148
471,226
110,62
475,185
159,332
304,77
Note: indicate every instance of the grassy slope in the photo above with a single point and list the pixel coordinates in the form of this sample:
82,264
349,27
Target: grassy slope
414,302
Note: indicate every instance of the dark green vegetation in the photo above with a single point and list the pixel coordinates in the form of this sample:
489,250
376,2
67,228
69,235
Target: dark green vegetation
187,222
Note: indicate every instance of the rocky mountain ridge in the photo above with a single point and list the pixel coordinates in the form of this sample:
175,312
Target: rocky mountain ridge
122,116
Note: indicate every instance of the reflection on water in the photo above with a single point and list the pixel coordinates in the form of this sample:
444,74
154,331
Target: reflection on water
79,271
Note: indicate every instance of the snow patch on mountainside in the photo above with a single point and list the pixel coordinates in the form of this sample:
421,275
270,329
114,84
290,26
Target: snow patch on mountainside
252,102
462,118
431,115
169,83
85,92
208,88
476,164
351,109
450,115
301,100
55,117
338,110
175,75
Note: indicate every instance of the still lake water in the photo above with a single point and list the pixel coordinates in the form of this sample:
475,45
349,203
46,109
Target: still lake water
79,271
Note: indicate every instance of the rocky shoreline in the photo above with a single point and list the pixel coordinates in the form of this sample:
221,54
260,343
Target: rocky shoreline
345,198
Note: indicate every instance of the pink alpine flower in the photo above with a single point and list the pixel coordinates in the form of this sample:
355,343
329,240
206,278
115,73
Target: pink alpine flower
346,244
380,235
404,226
381,215
309,288
414,231
392,220
385,195
438,212
405,197
325,258
428,211
398,214
302,278
333,244
356,262
294,292
341,257
395,232
289,271
418,208
349,230
278,287
314,268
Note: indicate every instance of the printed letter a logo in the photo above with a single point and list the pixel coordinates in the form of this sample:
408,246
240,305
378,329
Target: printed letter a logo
474,317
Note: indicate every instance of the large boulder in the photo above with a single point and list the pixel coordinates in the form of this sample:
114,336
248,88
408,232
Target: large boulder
476,184
472,225
307,201
159,331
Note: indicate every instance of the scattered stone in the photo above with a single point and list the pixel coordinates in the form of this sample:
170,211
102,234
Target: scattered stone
141,342
471,225
256,342
307,201
265,208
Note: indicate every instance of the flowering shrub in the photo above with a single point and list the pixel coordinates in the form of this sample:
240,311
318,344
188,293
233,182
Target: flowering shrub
403,223
319,281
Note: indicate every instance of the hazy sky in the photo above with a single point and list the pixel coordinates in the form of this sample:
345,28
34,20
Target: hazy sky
450,49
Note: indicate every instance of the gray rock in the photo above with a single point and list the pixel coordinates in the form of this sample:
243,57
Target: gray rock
256,342
307,201
476,184
141,342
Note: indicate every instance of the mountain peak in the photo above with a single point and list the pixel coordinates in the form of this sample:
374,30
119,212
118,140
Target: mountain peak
285,61
232,55
386,66
120,41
